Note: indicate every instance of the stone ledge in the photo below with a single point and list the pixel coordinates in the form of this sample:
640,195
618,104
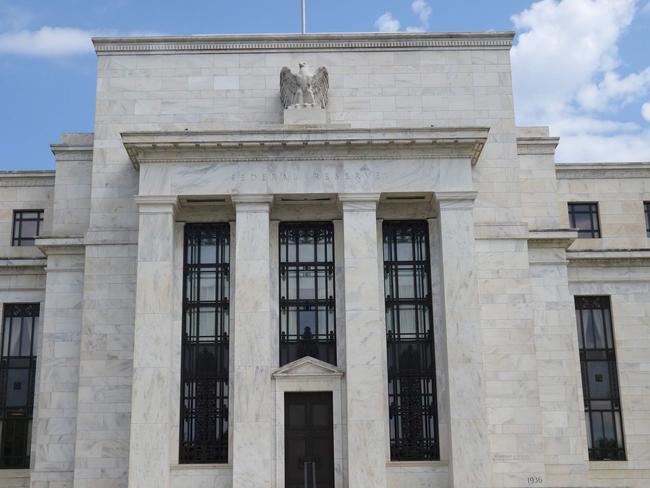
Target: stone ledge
22,263
612,257
574,171
303,42
281,143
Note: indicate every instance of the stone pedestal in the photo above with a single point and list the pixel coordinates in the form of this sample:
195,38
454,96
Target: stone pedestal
365,346
305,116
469,453
253,413
149,455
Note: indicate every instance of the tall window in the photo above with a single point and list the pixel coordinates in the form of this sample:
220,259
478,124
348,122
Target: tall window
599,378
27,225
646,207
205,350
307,305
409,335
584,217
17,375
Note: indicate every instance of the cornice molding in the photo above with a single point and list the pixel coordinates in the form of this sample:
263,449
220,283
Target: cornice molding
576,171
27,178
303,42
63,152
61,245
610,258
305,144
552,238
537,145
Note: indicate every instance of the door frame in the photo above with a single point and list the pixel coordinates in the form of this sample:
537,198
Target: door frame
304,376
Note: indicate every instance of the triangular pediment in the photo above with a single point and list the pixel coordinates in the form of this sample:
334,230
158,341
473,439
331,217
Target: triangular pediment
307,366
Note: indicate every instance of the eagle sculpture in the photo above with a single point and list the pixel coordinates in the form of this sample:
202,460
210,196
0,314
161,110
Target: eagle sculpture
304,89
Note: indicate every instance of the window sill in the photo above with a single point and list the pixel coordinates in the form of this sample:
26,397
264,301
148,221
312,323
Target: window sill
417,464
604,465
182,467
14,473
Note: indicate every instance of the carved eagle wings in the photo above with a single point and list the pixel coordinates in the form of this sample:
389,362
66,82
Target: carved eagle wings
304,88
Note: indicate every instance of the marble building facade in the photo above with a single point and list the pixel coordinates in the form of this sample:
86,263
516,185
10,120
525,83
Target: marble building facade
165,338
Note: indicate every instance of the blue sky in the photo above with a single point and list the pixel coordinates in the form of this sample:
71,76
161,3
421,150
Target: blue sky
580,66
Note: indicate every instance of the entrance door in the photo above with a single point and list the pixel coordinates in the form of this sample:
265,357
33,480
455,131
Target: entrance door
308,440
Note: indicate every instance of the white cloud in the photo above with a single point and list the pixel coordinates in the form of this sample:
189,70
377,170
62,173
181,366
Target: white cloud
387,23
422,9
567,74
645,111
646,9
51,42
47,42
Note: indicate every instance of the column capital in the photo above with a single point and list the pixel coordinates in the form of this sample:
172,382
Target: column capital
456,199
252,202
157,203
359,202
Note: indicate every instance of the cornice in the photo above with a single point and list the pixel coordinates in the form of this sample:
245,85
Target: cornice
609,258
552,238
602,170
23,262
305,144
303,42
63,152
537,145
61,245
26,178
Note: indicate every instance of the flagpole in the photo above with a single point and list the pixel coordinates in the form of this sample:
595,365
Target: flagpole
304,18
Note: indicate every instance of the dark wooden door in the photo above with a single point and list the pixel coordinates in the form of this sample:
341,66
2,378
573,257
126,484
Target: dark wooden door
308,440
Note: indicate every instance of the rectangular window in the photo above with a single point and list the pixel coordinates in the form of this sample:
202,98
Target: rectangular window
584,217
27,225
307,303
646,207
205,348
412,402
17,376
599,378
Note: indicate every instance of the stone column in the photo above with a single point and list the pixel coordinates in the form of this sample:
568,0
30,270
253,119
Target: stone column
253,412
365,344
469,453
149,455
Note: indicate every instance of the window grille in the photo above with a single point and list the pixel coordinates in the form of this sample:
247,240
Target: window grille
409,335
599,378
307,300
17,377
205,350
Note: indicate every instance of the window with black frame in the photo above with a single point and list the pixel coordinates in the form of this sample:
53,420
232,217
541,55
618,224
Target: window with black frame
412,401
205,346
584,217
26,227
307,300
599,378
17,376
646,207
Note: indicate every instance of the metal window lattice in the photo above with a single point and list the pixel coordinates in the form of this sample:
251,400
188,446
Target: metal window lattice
307,299
17,377
646,207
413,415
205,350
584,217
26,227
599,379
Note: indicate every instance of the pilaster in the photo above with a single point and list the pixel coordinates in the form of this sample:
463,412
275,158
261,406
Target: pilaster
254,425
469,453
149,454
365,347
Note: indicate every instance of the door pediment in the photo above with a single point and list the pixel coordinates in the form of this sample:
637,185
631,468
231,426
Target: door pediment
307,367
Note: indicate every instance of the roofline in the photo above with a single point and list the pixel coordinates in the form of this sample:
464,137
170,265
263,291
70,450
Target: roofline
364,41
36,173
602,170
